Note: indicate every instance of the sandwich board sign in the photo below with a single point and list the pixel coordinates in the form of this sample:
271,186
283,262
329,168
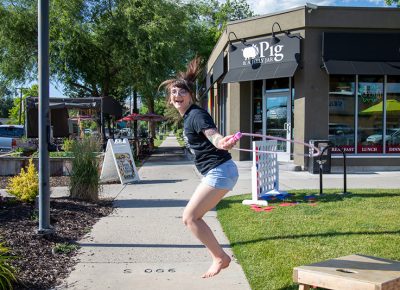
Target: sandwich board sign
118,163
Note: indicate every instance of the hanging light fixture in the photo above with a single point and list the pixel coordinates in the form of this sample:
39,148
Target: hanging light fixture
275,39
233,47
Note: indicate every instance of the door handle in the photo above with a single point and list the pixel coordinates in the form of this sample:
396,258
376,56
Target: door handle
287,127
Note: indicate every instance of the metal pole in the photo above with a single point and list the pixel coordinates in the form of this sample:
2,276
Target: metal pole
20,107
320,177
135,110
44,124
321,168
344,173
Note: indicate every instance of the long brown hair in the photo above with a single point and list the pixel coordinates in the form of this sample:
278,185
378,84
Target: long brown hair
184,79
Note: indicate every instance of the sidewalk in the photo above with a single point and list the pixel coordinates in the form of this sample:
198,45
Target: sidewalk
143,244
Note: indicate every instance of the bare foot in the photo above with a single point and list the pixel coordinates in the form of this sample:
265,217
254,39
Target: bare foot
217,266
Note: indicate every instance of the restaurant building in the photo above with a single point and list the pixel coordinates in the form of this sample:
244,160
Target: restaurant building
311,73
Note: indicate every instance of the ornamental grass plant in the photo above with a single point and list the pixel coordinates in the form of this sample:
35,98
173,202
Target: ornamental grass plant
84,176
269,244
7,272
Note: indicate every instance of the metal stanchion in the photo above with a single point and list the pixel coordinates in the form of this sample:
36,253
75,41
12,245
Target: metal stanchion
321,167
344,171
321,162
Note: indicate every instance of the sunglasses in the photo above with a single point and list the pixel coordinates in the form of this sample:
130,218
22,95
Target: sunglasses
180,92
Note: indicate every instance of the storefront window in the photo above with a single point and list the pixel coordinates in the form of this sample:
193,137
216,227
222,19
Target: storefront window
277,94
341,113
370,114
280,84
393,114
210,102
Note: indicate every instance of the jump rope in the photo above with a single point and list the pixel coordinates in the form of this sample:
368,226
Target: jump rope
238,135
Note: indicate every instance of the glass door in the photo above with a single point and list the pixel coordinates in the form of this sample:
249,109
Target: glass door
277,121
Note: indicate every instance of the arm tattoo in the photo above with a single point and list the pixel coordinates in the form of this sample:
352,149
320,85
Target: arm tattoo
213,136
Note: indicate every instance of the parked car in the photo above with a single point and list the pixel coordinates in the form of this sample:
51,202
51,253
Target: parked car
87,131
341,134
391,137
11,137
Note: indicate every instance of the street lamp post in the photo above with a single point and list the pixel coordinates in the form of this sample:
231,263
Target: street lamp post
44,120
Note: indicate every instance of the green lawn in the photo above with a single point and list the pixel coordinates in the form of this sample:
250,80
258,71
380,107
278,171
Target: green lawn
268,245
158,141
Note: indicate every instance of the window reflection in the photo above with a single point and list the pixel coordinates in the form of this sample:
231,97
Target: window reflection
393,115
341,112
370,114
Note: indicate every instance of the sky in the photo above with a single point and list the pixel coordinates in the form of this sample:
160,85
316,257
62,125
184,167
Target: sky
269,6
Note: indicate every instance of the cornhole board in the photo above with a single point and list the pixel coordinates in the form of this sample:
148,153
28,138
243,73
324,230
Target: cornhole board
119,163
354,272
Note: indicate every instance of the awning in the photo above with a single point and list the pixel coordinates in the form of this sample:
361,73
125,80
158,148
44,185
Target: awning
344,67
265,71
70,105
218,67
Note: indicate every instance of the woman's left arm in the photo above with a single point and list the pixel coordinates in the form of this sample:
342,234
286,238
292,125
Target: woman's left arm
220,142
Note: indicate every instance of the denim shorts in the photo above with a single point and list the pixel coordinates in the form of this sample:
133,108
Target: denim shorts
223,176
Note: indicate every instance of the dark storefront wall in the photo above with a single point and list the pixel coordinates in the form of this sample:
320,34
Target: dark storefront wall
310,99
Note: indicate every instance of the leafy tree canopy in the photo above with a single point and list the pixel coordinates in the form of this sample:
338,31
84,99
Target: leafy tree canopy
16,108
6,104
391,2
108,47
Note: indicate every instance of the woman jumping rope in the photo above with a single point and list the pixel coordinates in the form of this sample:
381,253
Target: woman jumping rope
212,160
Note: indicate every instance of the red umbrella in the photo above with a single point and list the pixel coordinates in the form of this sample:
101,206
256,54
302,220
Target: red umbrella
128,118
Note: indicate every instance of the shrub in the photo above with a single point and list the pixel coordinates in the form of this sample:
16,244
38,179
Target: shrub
179,133
64,248
67,145
84,182
7,272
25,186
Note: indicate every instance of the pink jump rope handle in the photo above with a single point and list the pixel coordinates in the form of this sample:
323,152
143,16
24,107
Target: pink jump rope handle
236,137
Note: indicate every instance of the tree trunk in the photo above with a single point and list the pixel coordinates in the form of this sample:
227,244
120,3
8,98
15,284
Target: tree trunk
135,110
152,125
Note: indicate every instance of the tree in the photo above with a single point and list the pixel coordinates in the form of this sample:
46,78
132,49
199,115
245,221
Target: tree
6,103
15,110
18,41
215,15
159,29
174,119
108,47
87,45
391,2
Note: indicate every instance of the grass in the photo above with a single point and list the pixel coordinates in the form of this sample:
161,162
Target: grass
64,248
268,245
158,140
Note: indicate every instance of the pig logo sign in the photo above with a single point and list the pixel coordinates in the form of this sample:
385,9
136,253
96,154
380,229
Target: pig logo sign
250,52
262,52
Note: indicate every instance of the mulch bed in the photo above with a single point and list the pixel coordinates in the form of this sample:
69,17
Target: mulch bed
38,267
54,181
